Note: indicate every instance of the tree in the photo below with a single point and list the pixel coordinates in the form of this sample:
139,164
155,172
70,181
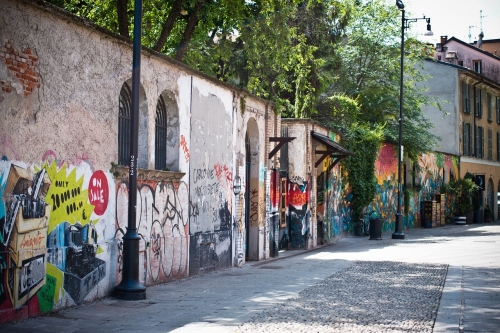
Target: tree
369,71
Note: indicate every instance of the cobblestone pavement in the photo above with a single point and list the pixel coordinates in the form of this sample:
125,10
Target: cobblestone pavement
365,297
438,280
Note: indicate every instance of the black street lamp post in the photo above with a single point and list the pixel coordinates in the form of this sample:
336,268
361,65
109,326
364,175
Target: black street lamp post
130,288
405,24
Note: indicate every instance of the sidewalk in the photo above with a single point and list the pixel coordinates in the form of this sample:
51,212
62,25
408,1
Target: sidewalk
435,280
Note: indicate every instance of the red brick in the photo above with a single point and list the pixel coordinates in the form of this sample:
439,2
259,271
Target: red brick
19,76
13,68
26,93
3,88
8,61
33,58
31,84
27,50
22,65
38,85
8,90
21,71
23,60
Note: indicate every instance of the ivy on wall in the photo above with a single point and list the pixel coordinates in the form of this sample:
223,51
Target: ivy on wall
364,141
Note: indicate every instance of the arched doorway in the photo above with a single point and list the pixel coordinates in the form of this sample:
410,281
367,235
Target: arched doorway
253,193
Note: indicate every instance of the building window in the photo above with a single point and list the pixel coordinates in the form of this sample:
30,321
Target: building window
479,142
467,139
498,109
124,115
465,97
478,102
490,106
460,63
498,146
161,135
477,66
490,144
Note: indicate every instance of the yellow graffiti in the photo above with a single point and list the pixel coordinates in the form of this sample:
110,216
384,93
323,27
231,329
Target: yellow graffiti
58,276
66,196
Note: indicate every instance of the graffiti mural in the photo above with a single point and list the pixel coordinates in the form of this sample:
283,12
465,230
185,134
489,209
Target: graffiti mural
49,253
428,178
299,213
162,223
274,216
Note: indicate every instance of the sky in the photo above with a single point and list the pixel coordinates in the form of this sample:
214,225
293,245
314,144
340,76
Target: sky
452,18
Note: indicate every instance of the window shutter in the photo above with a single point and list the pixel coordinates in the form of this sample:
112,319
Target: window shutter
490,144
464,97
482,142
465,139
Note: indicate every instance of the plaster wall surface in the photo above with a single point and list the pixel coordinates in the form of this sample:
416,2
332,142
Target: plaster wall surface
444,86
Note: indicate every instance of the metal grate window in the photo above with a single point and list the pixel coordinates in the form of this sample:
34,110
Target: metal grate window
161,135
124,125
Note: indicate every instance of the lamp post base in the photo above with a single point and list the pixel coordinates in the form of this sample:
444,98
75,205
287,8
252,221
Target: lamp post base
398,233
129,295
130,288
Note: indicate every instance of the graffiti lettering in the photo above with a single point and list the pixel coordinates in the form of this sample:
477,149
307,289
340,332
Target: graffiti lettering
32,241
183,144
223,174
99,192
163,214
201,174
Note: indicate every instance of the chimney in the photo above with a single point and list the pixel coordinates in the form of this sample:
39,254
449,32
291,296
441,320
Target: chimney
444,39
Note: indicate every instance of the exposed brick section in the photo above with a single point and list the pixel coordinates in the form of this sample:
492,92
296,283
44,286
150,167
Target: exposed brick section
22,65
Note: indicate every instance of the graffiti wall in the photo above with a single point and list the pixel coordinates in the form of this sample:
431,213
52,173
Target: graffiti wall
162,222
210,183
299,213
337,210
52,244
422,184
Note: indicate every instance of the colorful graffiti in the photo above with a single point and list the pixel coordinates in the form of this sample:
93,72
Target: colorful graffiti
299,213
162,222
48,249
428,178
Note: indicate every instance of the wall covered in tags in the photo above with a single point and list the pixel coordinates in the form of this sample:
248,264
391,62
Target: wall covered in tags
211,170
54,236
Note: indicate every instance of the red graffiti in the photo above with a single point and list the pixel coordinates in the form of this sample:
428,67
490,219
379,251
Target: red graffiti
296,196
30,241
275,190
185,149
99,192
222,172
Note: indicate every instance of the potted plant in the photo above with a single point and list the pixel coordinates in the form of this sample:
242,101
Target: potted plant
487,214
462,191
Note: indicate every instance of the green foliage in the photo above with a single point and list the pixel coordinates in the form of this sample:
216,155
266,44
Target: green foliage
364,141
463,191
368,63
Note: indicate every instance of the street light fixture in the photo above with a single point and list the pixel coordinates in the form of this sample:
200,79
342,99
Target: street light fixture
405,24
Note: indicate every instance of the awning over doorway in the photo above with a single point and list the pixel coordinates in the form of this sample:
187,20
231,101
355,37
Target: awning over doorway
333,149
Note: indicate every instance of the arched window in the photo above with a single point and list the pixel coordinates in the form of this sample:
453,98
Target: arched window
161,135
124,125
